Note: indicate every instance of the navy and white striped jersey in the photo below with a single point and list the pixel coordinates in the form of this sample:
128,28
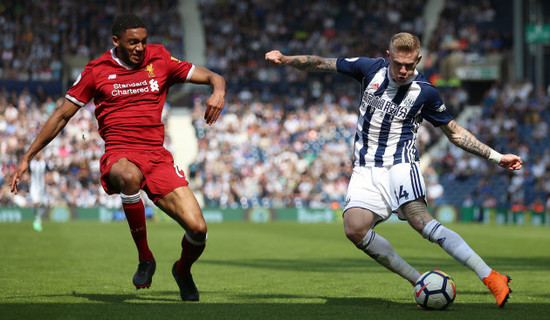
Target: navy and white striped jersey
390,114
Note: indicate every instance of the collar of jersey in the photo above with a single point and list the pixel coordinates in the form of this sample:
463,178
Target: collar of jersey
395,84
120,62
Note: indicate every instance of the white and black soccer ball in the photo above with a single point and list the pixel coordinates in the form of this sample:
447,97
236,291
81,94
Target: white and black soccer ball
434,290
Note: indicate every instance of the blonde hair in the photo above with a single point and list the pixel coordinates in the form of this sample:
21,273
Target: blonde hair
405,41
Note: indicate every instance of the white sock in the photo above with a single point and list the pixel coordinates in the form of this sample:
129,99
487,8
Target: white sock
39,213
382,251
479,266
454,245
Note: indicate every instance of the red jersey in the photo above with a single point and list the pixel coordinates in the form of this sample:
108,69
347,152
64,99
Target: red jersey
129,100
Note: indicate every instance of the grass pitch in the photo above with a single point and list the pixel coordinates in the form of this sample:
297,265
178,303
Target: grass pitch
83,270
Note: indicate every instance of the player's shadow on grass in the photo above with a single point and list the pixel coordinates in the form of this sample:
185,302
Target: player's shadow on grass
123,298
362,263
318,265
260,299
166,305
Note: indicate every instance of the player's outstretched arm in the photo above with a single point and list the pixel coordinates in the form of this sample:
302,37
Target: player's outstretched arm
216,101
304,63
55,123
468,142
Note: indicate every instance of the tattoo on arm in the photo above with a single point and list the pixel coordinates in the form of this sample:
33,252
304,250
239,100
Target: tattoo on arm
466,140
312,63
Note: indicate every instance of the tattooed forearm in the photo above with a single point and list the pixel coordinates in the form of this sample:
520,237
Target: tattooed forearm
469,143
312,63
466,140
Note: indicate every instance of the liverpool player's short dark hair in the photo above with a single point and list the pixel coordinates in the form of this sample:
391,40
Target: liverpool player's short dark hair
126,21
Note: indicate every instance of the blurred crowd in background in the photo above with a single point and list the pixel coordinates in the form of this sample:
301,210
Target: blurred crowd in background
285,136
36,36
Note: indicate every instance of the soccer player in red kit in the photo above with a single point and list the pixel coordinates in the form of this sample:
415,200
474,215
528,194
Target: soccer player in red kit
128,85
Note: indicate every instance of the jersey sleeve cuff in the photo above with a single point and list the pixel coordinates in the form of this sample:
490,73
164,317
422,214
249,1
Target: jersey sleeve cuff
74,100
190,73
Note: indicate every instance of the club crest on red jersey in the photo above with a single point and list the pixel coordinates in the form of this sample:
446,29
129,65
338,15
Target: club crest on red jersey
150,70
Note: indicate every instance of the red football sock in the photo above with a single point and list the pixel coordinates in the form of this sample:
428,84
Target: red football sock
190,252
135,214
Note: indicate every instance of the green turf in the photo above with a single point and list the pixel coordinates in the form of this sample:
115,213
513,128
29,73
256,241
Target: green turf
83,270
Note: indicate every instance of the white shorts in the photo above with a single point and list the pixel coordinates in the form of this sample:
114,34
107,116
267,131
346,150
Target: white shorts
383,190
37,193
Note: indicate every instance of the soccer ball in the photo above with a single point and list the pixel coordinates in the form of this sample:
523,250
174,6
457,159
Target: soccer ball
434,290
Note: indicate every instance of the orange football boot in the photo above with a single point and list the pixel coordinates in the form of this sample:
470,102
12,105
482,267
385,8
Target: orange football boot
498,284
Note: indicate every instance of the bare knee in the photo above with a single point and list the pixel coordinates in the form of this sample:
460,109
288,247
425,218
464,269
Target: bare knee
192,222
129,180
357,222
182,206
355,235
126,176
197,230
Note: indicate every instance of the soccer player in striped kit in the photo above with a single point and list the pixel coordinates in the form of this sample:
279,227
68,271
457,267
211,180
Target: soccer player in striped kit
128,85
386,176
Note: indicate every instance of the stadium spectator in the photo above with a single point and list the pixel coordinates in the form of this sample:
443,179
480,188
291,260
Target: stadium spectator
275,153
506,123
465,33
237,31
35,36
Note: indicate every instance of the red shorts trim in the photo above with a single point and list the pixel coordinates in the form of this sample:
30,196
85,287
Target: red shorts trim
161,175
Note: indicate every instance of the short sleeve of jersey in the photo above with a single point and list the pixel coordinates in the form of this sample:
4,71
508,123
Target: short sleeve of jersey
434,109
359,67
181,71
83,89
